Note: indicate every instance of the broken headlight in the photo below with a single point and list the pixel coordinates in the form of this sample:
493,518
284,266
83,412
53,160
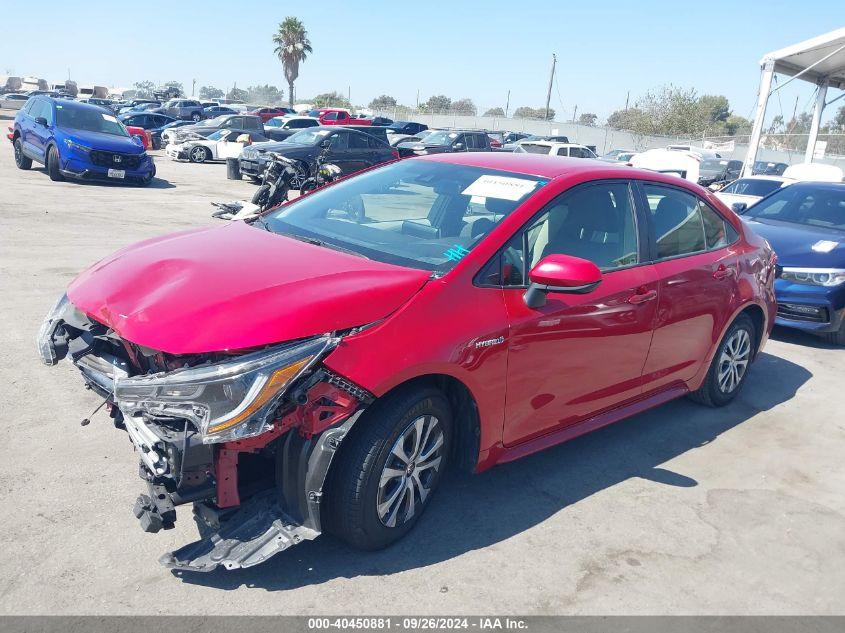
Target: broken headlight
226,401
46,348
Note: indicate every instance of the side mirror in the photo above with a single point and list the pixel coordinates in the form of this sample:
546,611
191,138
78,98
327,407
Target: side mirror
41,121
138,139
325,143
560,273
739,207
458,146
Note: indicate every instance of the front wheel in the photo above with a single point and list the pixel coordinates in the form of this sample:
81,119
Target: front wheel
21,160
261,195
196,116
386,475
837,337
53,168
198,154
729,367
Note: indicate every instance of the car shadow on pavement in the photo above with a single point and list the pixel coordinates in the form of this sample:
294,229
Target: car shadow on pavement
799,337
474,512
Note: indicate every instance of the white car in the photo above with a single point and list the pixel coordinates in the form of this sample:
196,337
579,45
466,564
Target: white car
290,122
553,148
751,189
13,101
220,145
683,161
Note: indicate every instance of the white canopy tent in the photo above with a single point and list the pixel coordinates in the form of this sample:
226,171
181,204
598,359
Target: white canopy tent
820,60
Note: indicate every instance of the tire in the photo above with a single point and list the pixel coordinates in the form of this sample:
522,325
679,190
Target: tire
719,388
199,154
367,510
309,184
144,182
196,116
22,161
53,165
838,337
261,195
156,143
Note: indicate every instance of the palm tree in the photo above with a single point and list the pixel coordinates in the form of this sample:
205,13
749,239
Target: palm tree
292,47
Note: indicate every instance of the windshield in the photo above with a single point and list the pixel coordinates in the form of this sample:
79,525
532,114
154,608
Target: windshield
810,205
314,113
88,119
535,148
215,122
275,122
752,187
712,164
218,135
440,138
411,213
307,137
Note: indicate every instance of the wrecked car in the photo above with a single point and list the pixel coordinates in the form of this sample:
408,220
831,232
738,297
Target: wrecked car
318,368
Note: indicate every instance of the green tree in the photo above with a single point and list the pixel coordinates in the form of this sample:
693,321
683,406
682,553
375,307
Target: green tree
464,106
265,95
332,99
292,48
736,124
588,118
144,88
174,84
495,112
524,112
436,104
383,102
210,92
237,94
839,118
714,108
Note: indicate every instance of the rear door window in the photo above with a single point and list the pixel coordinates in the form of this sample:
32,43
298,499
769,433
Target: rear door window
676,221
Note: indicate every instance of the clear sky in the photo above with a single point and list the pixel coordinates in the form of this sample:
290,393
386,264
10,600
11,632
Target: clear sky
459,48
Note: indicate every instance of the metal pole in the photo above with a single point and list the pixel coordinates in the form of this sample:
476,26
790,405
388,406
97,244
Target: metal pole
814,126
766,75
551,79
508,104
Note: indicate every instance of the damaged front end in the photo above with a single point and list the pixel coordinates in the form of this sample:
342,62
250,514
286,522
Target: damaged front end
247,438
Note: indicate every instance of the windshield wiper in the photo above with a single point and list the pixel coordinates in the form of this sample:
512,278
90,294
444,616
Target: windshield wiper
318,242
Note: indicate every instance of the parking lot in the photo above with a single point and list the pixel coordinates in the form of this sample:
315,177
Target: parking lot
682,510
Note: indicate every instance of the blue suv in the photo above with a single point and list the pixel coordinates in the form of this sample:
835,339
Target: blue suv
78,140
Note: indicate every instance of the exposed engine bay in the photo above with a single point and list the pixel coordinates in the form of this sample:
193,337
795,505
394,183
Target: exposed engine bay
245,437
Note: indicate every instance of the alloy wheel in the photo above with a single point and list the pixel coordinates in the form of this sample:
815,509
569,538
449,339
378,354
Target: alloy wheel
734,360
410,471
198,154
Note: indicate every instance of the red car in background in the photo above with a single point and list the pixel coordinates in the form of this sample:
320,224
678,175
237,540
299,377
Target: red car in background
337,116
144,135
268,113
457,310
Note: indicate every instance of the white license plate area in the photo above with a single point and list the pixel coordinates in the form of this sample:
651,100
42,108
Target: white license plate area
117,173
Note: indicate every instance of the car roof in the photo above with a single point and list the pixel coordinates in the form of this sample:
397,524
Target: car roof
556,144
552,166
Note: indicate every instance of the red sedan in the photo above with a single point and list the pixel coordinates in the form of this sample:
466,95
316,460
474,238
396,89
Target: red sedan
457,310
268,113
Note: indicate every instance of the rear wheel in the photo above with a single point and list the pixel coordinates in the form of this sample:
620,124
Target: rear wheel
729,367
53,168
22,161
386,475
199,154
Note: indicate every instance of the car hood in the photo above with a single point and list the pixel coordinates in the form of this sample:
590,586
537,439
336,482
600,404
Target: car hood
105,142
794,244
236,287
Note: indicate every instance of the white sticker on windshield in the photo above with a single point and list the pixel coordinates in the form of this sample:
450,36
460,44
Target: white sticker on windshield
501,187
109,118
824,246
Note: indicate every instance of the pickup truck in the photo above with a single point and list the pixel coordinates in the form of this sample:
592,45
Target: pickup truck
337,116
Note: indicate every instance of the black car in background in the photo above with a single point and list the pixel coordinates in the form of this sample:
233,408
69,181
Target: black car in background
153,122
224,122
765,168
447,141
406,127
351,150
714,170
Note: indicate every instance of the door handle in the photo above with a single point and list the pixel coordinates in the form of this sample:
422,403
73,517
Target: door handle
723,272
642,297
